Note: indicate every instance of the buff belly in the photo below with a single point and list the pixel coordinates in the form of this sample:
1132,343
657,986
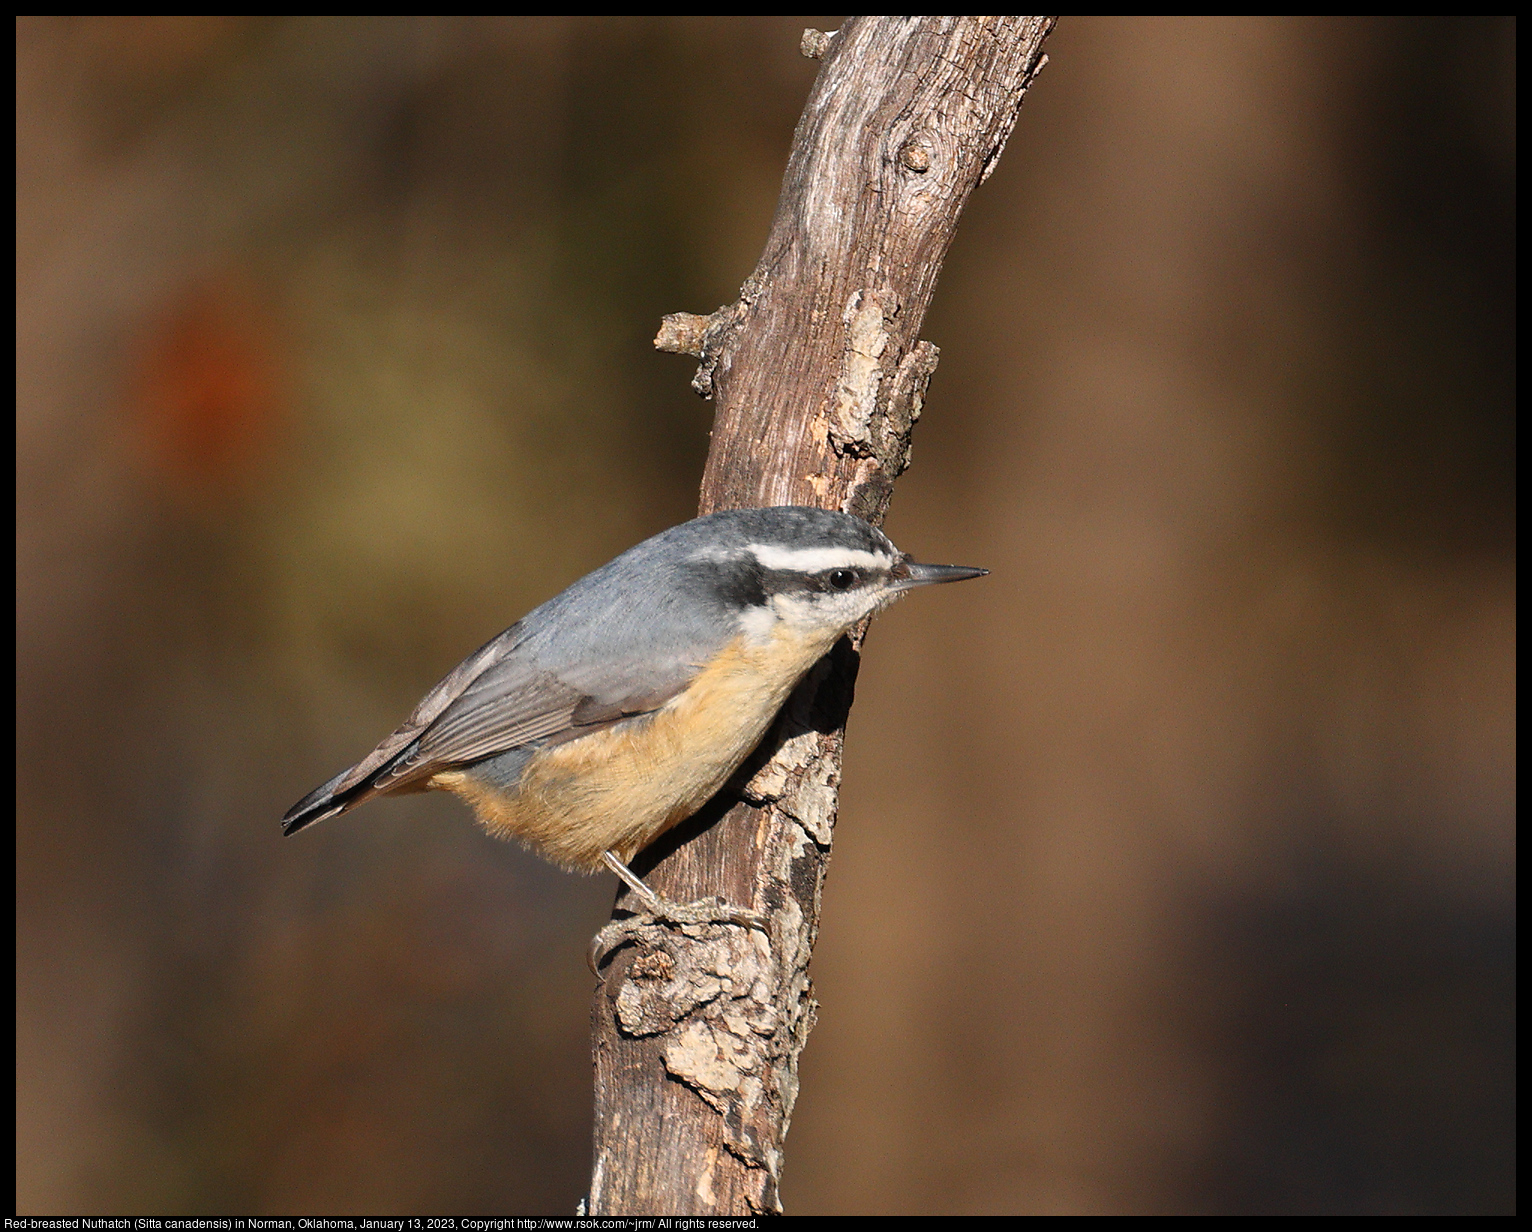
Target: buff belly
620,788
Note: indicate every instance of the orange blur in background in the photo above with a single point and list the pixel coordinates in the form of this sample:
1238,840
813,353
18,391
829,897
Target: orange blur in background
208,388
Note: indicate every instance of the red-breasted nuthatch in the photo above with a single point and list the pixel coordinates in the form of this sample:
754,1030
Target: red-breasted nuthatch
617,708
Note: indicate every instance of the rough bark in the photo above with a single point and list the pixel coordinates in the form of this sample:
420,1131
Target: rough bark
819,376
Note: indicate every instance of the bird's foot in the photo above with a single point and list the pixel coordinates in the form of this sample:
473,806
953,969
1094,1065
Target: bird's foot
704,911
657,911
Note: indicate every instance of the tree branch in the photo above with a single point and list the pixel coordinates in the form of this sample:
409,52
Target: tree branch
819,376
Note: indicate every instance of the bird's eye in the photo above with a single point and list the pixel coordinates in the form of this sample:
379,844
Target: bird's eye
842,579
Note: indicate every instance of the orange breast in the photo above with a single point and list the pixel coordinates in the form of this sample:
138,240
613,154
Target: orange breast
621,788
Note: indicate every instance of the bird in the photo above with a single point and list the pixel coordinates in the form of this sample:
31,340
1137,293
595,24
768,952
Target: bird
618,708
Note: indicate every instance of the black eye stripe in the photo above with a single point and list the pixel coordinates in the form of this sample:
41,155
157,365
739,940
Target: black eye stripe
838,580
740,583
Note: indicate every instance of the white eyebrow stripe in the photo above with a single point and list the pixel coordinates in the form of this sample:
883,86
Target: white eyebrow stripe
812,560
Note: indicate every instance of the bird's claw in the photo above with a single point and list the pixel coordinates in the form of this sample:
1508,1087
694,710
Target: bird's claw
660,911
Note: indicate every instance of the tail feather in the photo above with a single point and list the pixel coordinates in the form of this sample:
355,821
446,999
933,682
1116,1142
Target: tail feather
340,796
321,803
292,824
357,785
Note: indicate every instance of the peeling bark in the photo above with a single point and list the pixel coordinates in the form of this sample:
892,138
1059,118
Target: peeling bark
819,376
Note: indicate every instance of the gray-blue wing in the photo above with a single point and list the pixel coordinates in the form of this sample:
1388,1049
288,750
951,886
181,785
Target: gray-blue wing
495,701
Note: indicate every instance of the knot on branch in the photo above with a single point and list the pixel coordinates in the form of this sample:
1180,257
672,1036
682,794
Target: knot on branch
686,333
815,43
915,154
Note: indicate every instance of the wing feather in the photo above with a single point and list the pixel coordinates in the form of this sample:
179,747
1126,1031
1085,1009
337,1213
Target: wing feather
490,719
494,701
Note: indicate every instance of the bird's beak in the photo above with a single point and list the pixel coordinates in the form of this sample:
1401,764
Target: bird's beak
908,574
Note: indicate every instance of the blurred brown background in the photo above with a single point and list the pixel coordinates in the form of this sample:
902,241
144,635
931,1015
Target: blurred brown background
1174,863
